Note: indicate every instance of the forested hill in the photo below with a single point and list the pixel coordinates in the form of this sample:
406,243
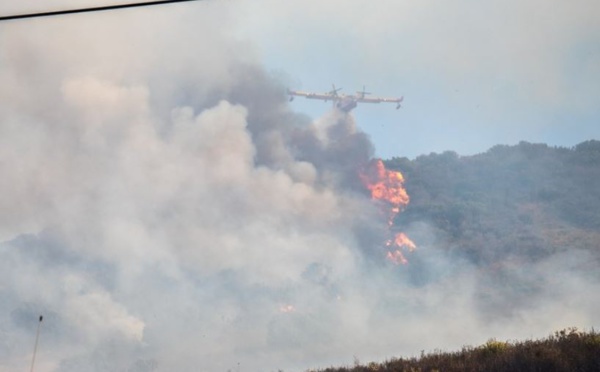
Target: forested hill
526,201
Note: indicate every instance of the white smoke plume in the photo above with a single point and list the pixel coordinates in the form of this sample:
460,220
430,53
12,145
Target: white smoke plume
161,204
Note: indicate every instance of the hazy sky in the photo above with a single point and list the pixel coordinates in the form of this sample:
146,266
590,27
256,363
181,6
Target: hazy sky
166,208
473,73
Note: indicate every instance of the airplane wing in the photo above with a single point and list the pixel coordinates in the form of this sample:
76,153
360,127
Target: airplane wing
324,96
380,99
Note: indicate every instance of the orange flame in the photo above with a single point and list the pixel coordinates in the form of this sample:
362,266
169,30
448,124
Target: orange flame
397,257
287,308
400,241
385,185
388,186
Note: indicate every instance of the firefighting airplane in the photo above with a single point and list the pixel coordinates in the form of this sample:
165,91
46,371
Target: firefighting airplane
342,101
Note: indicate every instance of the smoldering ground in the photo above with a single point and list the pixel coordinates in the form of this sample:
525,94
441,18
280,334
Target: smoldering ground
165,209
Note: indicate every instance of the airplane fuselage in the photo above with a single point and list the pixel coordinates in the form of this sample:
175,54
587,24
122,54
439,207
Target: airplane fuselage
346,103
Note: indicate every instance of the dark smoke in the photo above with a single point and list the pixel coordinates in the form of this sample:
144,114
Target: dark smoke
162,203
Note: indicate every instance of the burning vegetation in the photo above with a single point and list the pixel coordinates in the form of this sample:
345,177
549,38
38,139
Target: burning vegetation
387,187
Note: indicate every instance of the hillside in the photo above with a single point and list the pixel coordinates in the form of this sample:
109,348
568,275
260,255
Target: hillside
565,351
526,217
526,220
525,201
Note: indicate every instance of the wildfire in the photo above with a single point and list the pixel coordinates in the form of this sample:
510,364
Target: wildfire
385,184
388,186
287,308
400,241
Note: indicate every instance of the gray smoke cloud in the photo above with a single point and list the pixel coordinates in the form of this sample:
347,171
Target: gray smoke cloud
164,209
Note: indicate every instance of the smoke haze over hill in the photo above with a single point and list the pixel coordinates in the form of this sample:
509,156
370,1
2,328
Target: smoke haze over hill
165,209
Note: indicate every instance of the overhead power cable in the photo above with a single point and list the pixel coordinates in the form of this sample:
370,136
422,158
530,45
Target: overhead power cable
93,9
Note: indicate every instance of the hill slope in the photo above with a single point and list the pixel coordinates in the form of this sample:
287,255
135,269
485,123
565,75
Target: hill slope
565,351
526,217
525,201
526,220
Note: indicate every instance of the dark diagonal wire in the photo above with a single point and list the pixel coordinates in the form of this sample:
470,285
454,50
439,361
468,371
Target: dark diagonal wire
93,9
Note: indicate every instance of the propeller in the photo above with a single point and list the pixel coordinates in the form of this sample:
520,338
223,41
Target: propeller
363,92
334,91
